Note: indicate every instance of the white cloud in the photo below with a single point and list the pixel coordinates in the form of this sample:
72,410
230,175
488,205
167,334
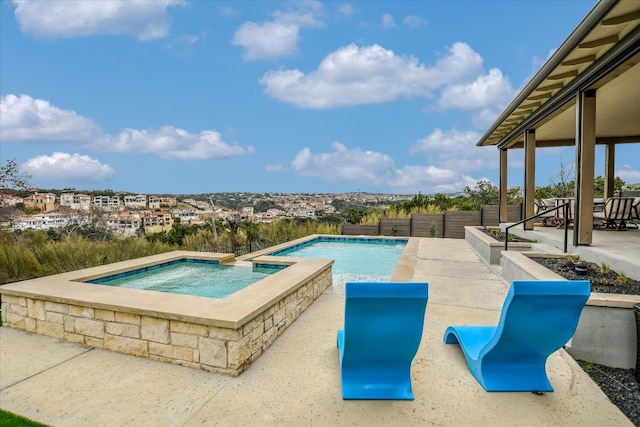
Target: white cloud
355,75
486,116
277,167
359,166
145,20
67,166
486,90
306,14
536,64
421,176
388,22
455,150
268,40
347,9
628,174
345,165
278,37
488,94
228,11
23,118
460,64
170,142
430,179
414,21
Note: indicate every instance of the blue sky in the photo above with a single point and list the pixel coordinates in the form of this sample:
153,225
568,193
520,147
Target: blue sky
177,96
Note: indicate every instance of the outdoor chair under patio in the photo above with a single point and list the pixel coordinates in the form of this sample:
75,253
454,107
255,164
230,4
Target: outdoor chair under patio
382,331
538,317
635,209
543,206
570,209
617,213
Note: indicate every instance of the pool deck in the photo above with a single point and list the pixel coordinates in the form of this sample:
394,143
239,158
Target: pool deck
297,380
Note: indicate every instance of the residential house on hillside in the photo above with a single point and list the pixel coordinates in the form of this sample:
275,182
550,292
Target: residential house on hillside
167,202
197,203
44,202
269,215
186,215
79,202
9,200
136,202
153,203
44,221
301,210
107,203
157,222
125,223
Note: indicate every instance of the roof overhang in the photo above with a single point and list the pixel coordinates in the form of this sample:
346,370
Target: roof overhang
602,53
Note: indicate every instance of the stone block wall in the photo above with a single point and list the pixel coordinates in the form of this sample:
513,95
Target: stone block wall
211,348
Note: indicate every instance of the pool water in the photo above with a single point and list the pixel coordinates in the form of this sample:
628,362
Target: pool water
190,277
372,260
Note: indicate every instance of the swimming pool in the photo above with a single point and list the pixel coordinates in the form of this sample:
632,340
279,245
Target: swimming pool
356,259
188,276
222,335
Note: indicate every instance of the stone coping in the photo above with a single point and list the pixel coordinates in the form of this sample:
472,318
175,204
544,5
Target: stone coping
539,272
231,312
407,263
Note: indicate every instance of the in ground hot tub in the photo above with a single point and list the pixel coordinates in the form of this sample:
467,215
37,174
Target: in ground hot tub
215,334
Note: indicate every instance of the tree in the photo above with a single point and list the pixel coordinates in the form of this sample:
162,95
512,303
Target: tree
513,195
484,193
417,201
546,192
353,216
233,224
598,185
251,230
12,178
443,201
564,181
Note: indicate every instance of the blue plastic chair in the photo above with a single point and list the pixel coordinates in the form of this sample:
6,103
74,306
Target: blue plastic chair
538,318
382,331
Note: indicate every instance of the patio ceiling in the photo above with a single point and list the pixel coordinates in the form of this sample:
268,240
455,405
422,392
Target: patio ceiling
602,53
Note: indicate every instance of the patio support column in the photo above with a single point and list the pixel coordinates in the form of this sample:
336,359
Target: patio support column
529,176
585,165
609,170
503,186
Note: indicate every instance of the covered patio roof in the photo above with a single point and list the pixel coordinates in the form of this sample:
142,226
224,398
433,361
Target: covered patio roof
602,53
587,93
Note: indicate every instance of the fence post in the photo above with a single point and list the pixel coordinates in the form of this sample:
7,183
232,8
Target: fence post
444,223
411,226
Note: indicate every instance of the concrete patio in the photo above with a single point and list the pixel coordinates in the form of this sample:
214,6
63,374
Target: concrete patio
297,381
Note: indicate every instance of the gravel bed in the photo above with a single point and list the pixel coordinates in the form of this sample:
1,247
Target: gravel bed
500,235
606,282
619,385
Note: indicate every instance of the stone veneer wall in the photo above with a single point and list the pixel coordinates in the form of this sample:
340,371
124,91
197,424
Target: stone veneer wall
211,348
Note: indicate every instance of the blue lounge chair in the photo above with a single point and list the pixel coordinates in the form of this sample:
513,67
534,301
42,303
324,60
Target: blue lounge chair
382,331
538,318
